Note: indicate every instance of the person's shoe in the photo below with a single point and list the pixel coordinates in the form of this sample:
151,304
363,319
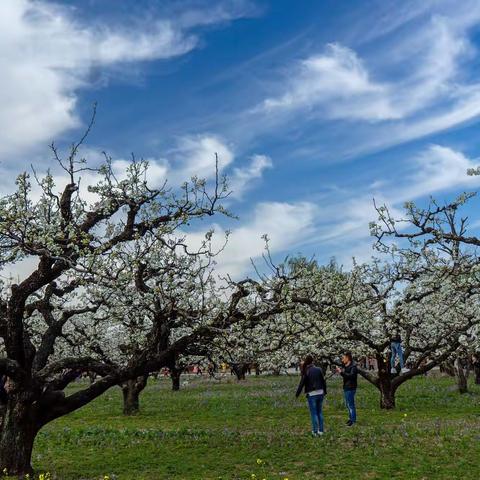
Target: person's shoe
405,370
313,434
319,434
393,370
349,423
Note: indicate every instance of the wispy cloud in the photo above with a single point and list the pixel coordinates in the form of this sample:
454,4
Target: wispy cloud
336,83
288,226
47,54
242,178
342,224
197,14
436,169
193,156
407,87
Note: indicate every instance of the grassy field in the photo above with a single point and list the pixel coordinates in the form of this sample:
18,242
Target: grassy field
218,431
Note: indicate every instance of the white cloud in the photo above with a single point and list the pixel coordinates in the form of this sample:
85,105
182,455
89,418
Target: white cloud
157,170
339,224
16,273
224,11
288,226
195,156
437,169
192,156
337,83
47,54
342,225
410,86
242,178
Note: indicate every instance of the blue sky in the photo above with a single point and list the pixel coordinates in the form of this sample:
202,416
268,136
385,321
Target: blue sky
315,107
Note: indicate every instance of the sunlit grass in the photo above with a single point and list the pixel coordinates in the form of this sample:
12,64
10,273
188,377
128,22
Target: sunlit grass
212,431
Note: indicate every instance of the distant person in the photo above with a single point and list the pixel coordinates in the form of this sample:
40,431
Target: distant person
349,373
313,382
397,350
211,370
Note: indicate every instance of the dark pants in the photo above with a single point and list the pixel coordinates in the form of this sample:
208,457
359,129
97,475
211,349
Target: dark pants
350,403
315,403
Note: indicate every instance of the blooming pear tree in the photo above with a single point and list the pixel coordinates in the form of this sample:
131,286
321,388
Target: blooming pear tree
68,237
436,226
429,300
165,292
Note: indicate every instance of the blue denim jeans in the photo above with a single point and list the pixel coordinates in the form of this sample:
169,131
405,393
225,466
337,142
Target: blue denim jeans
350,403
396,350
315,403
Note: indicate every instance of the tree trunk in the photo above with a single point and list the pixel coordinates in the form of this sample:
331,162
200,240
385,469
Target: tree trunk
477,374
448,368
387,390
462,376
17,435
240,370
131,390
92,376
387,397
175,376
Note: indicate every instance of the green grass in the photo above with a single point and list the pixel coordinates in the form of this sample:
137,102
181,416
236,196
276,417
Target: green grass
212,431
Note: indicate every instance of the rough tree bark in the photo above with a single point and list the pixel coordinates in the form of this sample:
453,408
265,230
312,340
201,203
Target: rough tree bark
385,382
240,370
461,374
92,377
476,370
448,368
17,435
387,389
131,390
387,395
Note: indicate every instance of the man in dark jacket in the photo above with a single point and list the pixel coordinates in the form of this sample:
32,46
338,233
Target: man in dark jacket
349,373
315,387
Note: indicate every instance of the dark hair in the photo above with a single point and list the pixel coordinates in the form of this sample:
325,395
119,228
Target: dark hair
349,355
306,363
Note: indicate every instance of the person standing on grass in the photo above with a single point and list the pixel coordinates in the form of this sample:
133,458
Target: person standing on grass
313,382
349,373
